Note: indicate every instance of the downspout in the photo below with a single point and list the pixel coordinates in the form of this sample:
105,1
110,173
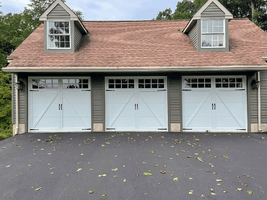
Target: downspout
17,104
259,103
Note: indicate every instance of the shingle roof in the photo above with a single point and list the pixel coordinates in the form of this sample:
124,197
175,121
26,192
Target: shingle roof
147,44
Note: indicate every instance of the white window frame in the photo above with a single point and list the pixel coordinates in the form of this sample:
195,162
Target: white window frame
48,45
202,33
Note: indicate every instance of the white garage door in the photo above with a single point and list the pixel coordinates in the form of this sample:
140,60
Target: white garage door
59,104
136,104
214,103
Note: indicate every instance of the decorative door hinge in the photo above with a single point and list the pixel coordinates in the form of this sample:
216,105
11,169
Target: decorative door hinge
34,129
186,89
34,90
110,90
109,129
186,129
162,129
241,129
86,90
239,89
86,129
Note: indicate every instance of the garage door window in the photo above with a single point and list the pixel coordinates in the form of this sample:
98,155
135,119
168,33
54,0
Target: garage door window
151,83
120,83
197,83
75,83
229,83
44,84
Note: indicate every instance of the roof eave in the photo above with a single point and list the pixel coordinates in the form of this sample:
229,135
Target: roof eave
137,69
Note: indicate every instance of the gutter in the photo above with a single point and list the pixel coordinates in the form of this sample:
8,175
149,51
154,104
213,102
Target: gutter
17,106
137,69
259,103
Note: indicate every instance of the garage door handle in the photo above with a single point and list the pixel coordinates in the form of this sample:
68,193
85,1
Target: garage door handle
61,106
215,106
134,106
137,106
58,106
212,106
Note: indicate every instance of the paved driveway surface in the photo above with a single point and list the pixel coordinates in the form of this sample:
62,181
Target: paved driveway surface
176,166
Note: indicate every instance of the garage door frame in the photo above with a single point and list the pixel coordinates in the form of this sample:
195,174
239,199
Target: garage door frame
60,85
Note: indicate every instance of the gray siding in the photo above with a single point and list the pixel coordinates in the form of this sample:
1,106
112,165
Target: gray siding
77,37
193,35
23,102
174,99
98,99
263,85
212,11
58,12
199,49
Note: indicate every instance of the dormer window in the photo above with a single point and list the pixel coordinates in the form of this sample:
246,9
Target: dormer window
58,35
213,33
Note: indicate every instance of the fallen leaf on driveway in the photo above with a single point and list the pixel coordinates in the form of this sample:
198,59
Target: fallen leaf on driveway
114,169
79,169
191,192
239,189
212,193
91,192
37,189
219,180
8,166
103,195
249,192
175,179
202,196
124,180
163,172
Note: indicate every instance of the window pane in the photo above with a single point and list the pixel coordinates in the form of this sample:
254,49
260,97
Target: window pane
124,85
65,80
131,85
200,85
209,26
204,26
141,86
131,80
34,84
141,81
111,85
111,80
147,80
161,80
86,81
118,80
67,44
86,85
201,80
161,85
154,85
118,85
42,84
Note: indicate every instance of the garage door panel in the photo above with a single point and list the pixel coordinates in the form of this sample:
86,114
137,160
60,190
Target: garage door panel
76,111
152,110
230,108
120,110
195,113
43,107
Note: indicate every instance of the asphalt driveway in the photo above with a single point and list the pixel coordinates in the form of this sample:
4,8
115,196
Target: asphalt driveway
135,166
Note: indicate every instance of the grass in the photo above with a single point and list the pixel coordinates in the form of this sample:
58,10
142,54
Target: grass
6,133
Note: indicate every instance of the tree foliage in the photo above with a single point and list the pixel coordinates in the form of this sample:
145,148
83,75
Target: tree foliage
255,10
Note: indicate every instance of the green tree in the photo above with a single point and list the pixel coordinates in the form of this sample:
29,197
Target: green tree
165,15
255,10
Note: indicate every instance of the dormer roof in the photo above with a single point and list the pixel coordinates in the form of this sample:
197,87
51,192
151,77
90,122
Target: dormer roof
72,15
199,14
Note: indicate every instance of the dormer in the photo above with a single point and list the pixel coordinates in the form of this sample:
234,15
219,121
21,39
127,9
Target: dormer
208,28
63,30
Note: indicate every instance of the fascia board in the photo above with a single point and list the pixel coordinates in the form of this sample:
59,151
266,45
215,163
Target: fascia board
137,69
